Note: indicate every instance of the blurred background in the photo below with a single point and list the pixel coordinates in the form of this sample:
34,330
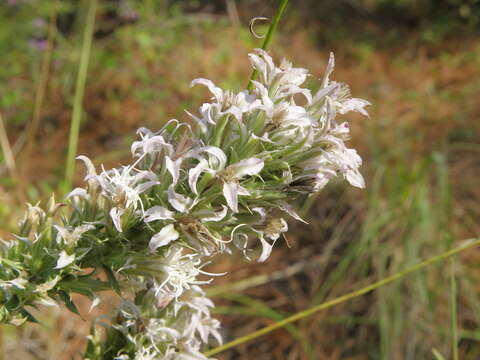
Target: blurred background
416,61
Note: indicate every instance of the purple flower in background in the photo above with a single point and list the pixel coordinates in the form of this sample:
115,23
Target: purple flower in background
127,13
39,23
15,2
38,44
130,15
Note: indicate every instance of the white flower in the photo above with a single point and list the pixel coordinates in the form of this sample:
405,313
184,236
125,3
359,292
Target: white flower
34,214
263,63
179,202
150,143
179,272
227,102
235,172
116,216
333,162
282,82
47,301
353,104
200,235
158,213
290,211
214,161
339,93
204,325
19,283
195,299
285,119
215,164
188,352
91,176
348,163
271,232
96,301
43,288
64,260
164,237
78,193
158,331
124,186
205,119
173,167
71,237
144,353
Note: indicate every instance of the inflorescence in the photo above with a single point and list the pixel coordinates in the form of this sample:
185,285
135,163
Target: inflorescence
191,192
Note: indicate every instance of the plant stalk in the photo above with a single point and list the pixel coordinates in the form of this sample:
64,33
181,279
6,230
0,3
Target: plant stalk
453,309
79,92
268,36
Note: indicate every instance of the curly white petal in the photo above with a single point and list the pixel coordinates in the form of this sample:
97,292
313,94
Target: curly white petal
250,166
157,213
164,237
64,260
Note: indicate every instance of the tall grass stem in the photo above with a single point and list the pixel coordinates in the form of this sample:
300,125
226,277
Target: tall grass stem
41,85
306,313
453,309
79,92
269,36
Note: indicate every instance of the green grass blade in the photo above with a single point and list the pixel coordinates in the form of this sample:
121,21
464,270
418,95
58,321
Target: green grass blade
437,355
261,309
306,313
453,309
79,91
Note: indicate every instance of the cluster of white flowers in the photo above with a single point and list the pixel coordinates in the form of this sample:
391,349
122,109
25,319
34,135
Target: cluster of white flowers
191,193
177,333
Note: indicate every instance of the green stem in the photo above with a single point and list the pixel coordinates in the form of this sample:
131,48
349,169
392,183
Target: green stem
79,91
306,313
453,309
268,36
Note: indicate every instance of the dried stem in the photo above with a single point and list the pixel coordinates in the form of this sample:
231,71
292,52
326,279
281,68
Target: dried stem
7,150
41,85
10,160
